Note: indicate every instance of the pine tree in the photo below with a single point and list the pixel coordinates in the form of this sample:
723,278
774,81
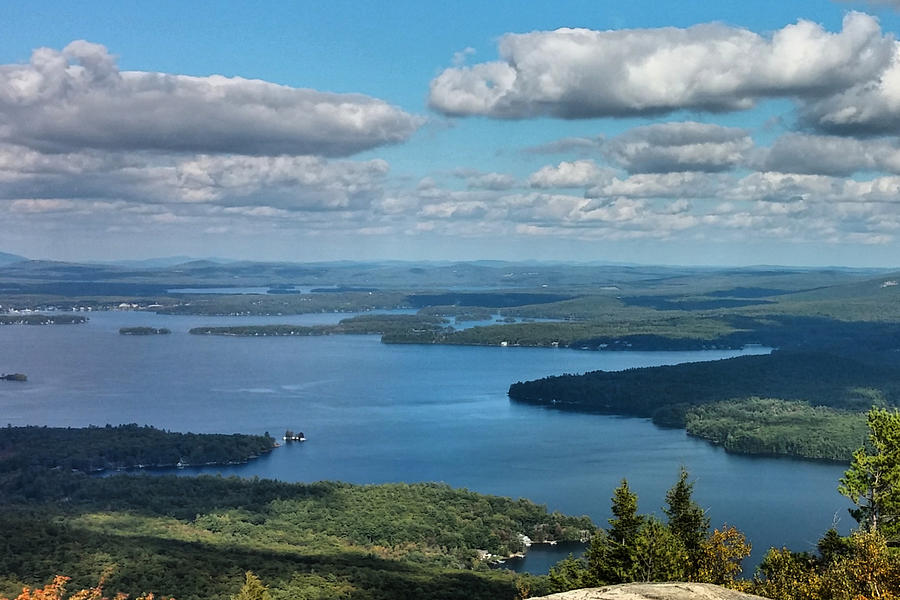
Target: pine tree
687,520
620,557
873,480
626,522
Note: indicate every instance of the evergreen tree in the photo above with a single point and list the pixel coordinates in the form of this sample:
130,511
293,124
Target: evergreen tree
626,522
687,520
615,558
659,554
873,480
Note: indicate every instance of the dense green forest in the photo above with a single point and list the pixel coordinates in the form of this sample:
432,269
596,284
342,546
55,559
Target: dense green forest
694,394
772,426
194,537
122,447
197,537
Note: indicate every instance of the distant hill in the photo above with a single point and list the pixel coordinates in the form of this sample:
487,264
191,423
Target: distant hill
6,258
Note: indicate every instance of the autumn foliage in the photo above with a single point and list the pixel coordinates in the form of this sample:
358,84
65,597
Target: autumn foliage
56,590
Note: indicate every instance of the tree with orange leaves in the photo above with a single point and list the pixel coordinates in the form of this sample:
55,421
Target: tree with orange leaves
56,590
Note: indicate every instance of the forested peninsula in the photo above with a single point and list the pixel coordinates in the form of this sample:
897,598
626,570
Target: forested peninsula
94,449
806,404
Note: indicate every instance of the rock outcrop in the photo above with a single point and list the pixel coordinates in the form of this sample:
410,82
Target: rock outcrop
653,591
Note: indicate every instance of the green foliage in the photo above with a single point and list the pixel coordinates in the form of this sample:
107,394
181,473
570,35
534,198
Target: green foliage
253,589
196,537
872,482
94,449
789,419
638,547
865,569
772,426
659,555
687,520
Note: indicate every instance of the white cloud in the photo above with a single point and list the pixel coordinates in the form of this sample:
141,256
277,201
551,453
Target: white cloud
686,146
687,184
580,173
870,106
77,98
582,73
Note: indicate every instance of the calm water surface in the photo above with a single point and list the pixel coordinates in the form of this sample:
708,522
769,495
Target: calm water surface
380,413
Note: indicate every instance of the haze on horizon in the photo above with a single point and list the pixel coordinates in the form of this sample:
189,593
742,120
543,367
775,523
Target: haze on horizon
643,132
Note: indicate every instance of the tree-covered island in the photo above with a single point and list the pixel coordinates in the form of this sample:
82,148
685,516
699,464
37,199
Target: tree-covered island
144,331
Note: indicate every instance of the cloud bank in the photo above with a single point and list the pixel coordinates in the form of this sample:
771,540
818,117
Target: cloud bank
582,73
78,98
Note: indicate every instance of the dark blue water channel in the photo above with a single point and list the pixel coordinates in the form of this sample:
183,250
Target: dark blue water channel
380,413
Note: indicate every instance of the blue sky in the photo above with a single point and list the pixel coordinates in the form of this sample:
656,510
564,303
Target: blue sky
655,132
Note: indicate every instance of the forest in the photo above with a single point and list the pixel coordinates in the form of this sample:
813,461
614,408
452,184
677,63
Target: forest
94,449
194,537
203,537
720,400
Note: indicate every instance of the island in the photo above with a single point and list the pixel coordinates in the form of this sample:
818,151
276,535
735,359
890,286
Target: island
144,331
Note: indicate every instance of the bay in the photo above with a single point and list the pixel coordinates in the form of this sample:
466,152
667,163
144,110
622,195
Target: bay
377,413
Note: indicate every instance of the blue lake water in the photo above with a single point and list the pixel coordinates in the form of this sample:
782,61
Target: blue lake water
378,413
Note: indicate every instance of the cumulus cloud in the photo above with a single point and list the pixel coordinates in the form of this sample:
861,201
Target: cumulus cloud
829,155
687,146
580,173
291,182
872,106
822,189
686,184
78,98
582,73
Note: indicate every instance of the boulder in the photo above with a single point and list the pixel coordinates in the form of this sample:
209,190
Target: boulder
653,591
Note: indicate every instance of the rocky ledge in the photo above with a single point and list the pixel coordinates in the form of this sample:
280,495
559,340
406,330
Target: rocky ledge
653,591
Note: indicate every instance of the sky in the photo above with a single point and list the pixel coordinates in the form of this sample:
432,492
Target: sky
686,132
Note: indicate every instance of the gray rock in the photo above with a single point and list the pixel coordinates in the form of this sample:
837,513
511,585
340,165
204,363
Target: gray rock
653,591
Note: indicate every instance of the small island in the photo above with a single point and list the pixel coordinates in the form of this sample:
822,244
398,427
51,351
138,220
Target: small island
144,331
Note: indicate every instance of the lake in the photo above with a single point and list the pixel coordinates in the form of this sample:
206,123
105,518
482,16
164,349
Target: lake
377,413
